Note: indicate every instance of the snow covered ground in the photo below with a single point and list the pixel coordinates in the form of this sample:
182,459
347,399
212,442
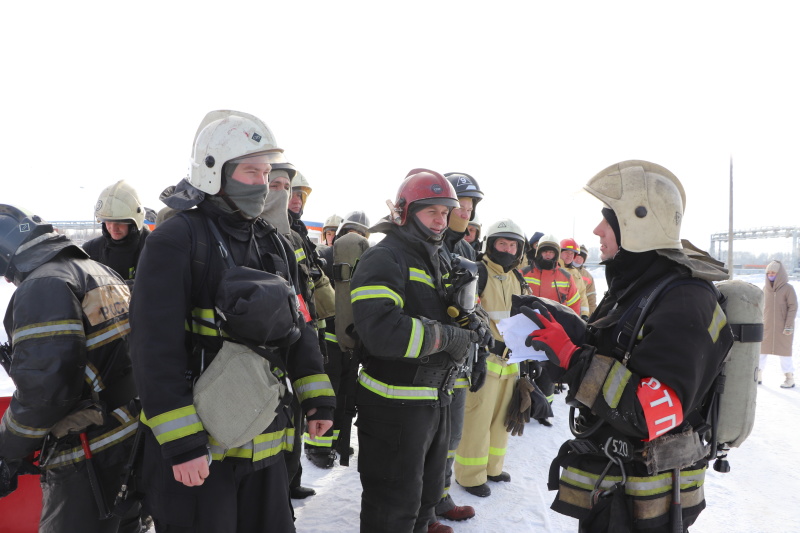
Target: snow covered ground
760,494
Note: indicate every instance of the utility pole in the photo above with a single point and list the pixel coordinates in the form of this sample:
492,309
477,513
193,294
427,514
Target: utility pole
730,224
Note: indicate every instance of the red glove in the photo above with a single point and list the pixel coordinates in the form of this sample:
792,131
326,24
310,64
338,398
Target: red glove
550,338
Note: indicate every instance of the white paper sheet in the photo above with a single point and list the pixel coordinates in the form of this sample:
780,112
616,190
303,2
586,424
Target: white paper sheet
515,330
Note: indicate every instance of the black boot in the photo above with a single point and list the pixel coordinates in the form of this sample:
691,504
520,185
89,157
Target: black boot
301,493
321,457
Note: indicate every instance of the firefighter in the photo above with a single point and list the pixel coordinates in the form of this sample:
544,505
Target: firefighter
473,236
276,214
121,218
588,280
569,250
637,378
549,280
329,229
341,367
469,194
68,325
192,481
481,454
412,350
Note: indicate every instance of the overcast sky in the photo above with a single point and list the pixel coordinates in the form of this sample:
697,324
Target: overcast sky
530,98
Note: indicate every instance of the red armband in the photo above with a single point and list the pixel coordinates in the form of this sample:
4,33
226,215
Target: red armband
303,308
662,408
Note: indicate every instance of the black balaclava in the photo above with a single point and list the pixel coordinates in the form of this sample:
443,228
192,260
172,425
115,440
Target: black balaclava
504,259
545,264
611,218
419,229
248,199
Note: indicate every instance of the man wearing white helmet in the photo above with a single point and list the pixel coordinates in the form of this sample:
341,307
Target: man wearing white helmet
329,229
121,217
481,454
201,471
637,377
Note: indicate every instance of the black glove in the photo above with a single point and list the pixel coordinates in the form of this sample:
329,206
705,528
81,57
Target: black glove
479,325
478,376
519,410
573,324
8,478
451,339
456,342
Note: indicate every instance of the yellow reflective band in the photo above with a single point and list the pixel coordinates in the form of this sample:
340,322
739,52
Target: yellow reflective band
396,392
174,424
640,486
499,452
416,274
97,444
615,383
368,292
313,386
270,444
21,430
462,383
415,340
472,461
111,333
200,328
718,321
47,329
533,281
321,440
330,337
561,284
574,299
299,254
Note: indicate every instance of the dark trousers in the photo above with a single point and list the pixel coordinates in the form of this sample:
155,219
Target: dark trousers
294,470
233,499
68,503
456,429
402,457
342,370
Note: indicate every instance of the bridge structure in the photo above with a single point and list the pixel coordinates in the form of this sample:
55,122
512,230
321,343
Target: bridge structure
770,232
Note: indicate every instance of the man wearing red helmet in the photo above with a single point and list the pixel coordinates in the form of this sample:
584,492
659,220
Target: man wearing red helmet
412,352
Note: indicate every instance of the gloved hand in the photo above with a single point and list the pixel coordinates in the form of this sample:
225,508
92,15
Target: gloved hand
550,338
8,478
519,410
479,322
456,342
445,338
788,331
478,376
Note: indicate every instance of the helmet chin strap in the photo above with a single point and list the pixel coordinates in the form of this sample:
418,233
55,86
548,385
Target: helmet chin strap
425,232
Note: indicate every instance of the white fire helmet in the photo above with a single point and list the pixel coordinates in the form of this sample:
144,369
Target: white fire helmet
648,200
507,229
226,135
119,203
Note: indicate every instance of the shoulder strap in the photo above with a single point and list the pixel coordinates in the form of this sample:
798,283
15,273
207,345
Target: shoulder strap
631,321
523,285
483,277
201,251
